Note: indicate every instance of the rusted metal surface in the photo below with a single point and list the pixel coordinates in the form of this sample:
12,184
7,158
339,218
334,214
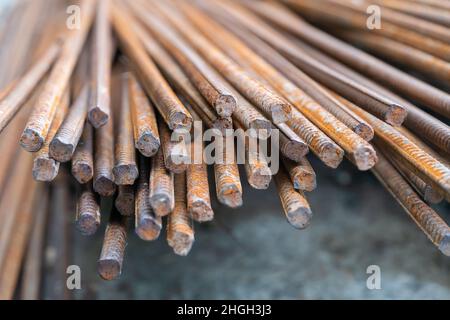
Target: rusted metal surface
124,201
197,186
301,173
145,128
125,169
399,53
46,168
66,139
43,114
88,211
176,157
437,15
101,61
422,123
201,74
180,232
83,157
269,102
16,95
161,188
179,80
147,224
167,103
295,206
417,160
104,160
426,218
419,25
405,84
228,182
109,265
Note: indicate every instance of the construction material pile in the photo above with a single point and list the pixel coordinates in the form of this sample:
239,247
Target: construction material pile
117,91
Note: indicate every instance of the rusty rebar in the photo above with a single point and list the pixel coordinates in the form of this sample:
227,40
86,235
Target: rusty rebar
46,168
101,61
417,120
147,224
180,234
161,188
425,217
83,157
202,75
266,100
124,201
360,152
167,103
320,144
295,206
290,144
197,185
145,128
176,157
399,53
125,169
180,81
401,82
39,123
104,160
109,265
227,179
87,218
301,173
256,167
69,133
15,96
417,160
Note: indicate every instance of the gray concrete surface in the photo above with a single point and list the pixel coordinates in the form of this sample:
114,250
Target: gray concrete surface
254,253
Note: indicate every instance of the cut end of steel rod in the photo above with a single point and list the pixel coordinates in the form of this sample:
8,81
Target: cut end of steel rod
104,186
201,211
299,217
45,169
148,145
432,196
109,269
87,224
31,140
97,117
395,115
125,174
181,242
148,229
280,113
365,157
161,204
364,131
225,105
82,171
60,150
230,195
179,120
331,155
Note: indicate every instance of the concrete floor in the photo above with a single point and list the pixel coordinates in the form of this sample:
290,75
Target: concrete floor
254,253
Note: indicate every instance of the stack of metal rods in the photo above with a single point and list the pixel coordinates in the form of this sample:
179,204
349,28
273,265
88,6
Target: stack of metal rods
117,102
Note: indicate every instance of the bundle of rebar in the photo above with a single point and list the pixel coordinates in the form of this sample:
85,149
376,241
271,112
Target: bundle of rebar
107,101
